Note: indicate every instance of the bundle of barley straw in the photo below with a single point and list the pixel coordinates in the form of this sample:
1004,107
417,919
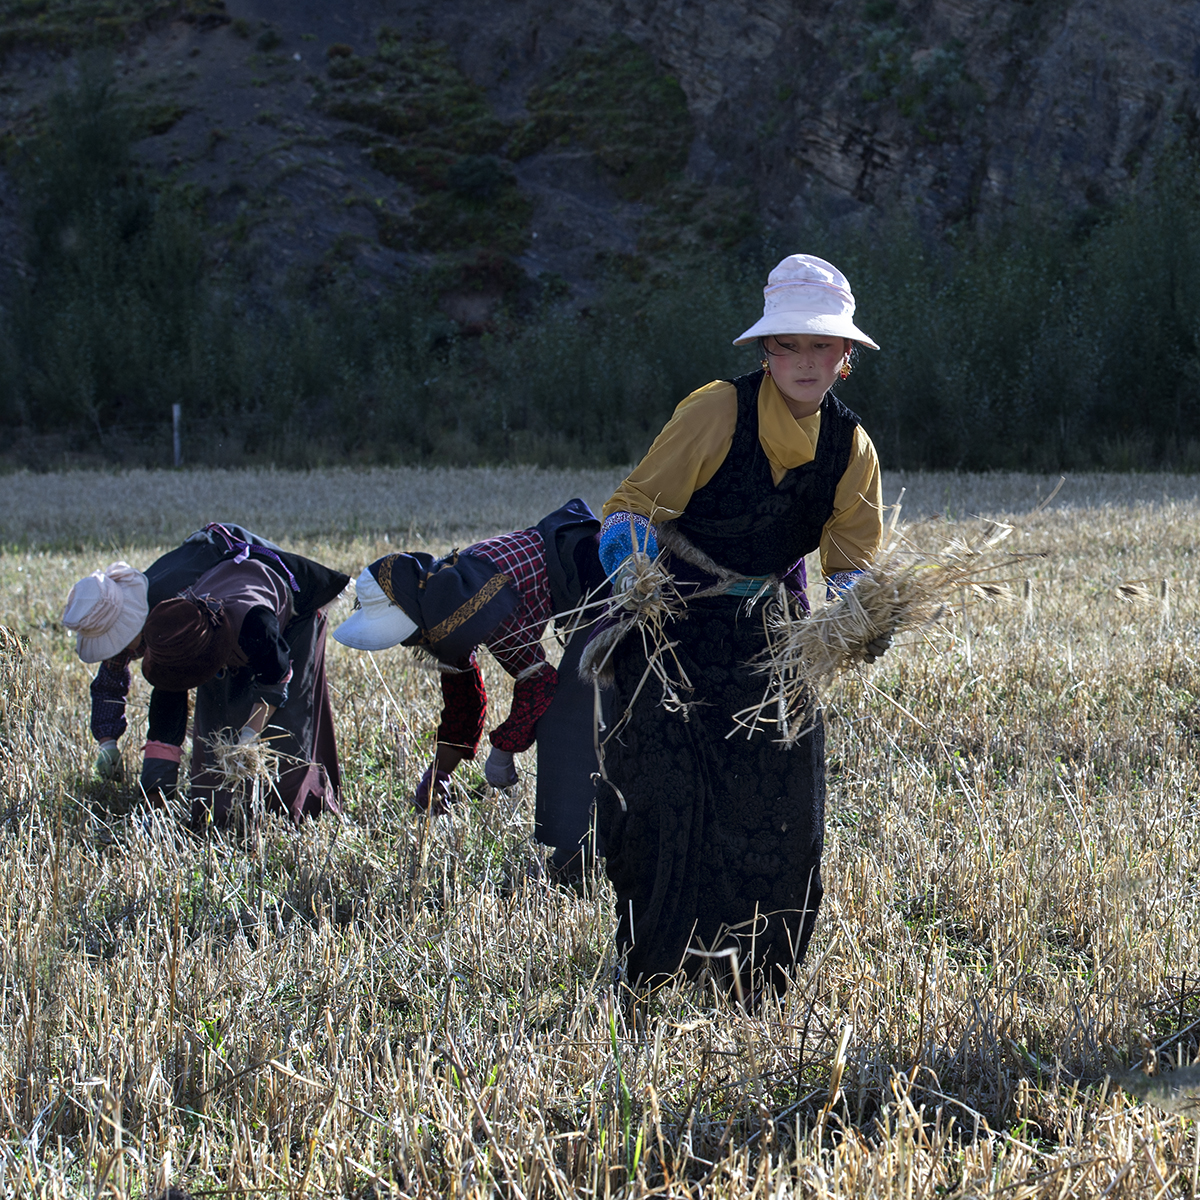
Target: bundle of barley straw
901,590
240,764
644,605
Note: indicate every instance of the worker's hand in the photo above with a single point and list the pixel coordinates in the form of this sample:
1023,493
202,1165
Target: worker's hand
433,792
637,584
248,735
260,714
159,779
108,761
500,770
447,757
877,647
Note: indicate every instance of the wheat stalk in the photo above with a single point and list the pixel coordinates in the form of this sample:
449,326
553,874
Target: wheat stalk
1134,592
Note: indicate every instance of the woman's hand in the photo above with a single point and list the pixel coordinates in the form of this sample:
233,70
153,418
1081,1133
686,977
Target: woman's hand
500,770
879,645
159,780
638,583
260,714
108,761
433,792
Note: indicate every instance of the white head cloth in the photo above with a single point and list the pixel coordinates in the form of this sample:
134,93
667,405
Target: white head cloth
377,624
106,611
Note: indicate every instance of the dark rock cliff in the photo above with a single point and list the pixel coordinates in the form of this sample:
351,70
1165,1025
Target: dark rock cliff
562,141
953,105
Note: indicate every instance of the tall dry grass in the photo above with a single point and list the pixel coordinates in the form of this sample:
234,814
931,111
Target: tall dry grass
392,1004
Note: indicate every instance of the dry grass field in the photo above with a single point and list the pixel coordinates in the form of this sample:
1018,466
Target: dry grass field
391,1005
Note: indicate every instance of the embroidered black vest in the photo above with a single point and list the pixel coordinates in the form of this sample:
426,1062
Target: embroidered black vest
741,519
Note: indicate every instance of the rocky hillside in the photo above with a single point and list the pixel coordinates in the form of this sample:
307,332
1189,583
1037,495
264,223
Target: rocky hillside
516,144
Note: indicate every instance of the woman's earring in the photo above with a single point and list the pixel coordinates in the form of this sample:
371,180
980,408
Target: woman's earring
766,366
846,367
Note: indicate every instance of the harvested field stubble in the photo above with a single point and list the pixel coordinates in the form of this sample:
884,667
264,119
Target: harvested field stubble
1012,882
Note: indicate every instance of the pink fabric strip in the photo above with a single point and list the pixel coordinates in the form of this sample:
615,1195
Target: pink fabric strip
163,750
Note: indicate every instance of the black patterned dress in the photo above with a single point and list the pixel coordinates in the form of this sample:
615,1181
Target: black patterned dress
718,845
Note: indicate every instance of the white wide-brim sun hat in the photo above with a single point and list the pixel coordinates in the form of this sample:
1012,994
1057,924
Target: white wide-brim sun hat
106,611
805,294
377,624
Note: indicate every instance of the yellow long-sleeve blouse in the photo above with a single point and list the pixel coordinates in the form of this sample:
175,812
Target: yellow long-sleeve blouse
695,441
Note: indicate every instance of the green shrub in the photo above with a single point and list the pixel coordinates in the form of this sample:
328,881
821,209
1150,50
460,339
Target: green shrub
425,168
454,220
410,91
153,120
349,66
617,102
1049,341
103,325
65,25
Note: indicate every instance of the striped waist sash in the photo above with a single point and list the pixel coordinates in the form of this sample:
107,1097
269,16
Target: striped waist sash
749,585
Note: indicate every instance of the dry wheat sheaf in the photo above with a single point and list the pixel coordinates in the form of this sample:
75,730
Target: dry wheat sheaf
903,590
240,764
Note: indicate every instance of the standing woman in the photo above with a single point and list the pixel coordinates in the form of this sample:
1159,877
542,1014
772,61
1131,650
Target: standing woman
713,842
